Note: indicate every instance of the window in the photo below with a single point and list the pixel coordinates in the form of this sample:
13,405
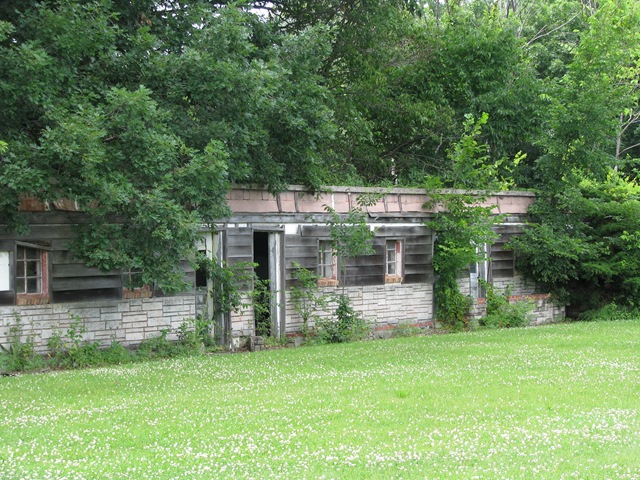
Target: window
393,261
31,278
478,273
201,271
132,286
327,264
5,271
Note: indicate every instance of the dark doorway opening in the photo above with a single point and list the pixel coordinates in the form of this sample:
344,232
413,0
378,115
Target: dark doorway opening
262,287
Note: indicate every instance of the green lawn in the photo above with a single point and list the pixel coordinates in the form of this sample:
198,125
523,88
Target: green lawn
560,401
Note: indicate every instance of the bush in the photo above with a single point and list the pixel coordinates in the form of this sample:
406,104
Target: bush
19,355
404,329
158,347
510,315
348,325
610,312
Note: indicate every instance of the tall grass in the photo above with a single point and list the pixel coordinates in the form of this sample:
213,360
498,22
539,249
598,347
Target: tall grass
550,402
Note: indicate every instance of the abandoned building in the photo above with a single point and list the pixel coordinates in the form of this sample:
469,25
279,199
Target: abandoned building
42,283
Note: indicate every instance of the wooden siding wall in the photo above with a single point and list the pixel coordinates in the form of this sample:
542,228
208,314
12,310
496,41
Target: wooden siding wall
367,269
69,279
502,258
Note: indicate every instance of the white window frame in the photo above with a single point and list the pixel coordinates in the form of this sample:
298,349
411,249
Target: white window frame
327,264
5,271
479,271
393,261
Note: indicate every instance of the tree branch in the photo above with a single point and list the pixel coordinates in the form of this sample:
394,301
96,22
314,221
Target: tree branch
539,35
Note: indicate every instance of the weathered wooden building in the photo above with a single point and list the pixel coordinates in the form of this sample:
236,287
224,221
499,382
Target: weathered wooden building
42,283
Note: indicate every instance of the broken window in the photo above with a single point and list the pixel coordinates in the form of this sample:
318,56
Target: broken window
327,264
393,261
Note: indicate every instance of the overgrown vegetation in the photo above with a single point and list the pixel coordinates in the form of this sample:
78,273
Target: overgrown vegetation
111,104
307,299
69,348
347,326
19,354
461,222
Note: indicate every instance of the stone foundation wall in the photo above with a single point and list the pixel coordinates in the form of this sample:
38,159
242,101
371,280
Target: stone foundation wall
384,305
518,290
127,321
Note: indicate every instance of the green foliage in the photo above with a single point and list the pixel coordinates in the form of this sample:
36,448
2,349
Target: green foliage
158,347
496,301
189,338
461,223
611,312
226,292
111,104
583,246
306,297
350,234
452,306
71,350
348,325
262,297
509,315
19,355
406,329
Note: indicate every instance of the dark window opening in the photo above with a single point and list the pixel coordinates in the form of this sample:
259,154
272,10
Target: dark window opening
201,272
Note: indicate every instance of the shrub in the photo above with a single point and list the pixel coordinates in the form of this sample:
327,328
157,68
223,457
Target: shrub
510,315
19,355
116,354
348,325
404,329
306,297
157,347
610,312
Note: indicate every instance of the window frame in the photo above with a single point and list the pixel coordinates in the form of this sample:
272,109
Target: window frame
145,291
41,296
398,261
324,280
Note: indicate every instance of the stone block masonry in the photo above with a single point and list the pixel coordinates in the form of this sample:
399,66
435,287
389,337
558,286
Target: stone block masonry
127,321
385,306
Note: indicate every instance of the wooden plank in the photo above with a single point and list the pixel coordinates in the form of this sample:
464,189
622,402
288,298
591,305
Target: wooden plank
419,249
366,261
86,283
401,231
239,241
76,270
418,278
315,231
505,255
7,297
299,241
66,296
301,252
417,259
417,269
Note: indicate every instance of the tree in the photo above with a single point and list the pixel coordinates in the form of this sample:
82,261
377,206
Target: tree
143,112
461,223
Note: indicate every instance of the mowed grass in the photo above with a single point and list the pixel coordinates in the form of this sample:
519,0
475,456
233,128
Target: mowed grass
560,401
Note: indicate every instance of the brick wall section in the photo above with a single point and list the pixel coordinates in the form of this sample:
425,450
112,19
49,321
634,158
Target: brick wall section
384,305
127,321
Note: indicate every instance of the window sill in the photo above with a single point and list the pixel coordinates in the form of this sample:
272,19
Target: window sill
143,292
392,279
328,282
32,299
